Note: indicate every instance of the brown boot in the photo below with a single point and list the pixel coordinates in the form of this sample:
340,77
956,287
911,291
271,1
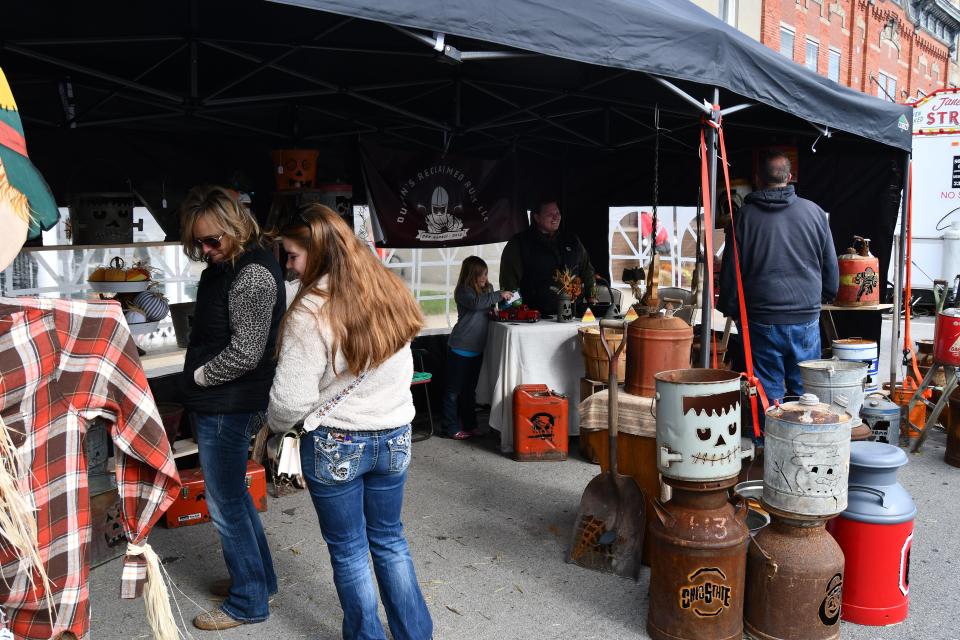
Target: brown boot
216,620
220,588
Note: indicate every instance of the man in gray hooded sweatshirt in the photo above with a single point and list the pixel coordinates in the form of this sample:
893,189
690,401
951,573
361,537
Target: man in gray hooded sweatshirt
789,267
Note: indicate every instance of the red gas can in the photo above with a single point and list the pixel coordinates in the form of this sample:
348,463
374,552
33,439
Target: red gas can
539,423
876,534
946,338
859,276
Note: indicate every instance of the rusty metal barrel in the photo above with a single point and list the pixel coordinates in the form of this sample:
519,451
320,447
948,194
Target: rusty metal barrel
794,581
698,563
655,343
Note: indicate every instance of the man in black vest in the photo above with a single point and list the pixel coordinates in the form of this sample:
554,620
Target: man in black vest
532,257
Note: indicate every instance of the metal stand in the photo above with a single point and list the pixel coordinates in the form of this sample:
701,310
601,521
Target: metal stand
950,375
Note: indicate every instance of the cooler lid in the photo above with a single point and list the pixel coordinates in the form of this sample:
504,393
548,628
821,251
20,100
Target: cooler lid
808,410
877,455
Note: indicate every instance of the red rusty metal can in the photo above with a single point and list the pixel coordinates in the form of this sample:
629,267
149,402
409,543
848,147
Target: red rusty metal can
655,343
859,276
946,338
540,418
793,565
697,563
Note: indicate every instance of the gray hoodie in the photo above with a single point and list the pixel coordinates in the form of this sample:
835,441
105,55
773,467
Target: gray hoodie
470,332
787,259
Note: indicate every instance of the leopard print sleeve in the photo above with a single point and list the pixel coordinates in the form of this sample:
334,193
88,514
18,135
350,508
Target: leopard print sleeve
250,301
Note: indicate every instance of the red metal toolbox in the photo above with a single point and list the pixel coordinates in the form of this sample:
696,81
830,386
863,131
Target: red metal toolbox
190,506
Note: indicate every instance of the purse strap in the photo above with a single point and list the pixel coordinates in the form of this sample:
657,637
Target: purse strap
335,401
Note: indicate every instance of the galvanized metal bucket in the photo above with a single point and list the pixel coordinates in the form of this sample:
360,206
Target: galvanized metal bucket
806,458
836,382
698,424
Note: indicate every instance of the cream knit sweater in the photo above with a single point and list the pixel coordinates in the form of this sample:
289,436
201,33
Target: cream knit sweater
305,380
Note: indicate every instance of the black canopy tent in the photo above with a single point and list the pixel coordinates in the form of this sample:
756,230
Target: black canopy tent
168,95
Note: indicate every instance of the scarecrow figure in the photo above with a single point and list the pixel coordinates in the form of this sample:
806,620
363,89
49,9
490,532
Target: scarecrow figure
64,363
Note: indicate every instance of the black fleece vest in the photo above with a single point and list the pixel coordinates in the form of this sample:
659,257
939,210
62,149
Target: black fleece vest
211,334
541,258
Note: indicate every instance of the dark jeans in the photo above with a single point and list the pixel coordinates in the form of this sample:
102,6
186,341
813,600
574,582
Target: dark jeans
224,442
356,480
778,350
460,394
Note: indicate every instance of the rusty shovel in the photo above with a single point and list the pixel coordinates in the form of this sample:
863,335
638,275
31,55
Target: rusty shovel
608,532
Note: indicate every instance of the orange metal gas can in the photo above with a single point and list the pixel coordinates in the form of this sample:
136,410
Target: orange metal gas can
859,276
539,423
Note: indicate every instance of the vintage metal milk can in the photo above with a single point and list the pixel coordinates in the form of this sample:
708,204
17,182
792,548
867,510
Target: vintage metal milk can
794,581
859,276
698,561
806,458
698,424
655,343
836,382
876,534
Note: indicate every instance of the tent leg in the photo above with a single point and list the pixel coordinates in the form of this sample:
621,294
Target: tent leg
898,284
706,306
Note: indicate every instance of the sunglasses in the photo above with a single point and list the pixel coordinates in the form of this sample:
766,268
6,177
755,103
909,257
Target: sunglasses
210,241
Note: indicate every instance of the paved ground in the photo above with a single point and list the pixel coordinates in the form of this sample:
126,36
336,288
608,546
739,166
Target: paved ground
488,537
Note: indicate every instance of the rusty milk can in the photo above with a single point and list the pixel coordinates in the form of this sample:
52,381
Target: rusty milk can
859,276
794,581
698,563
655,343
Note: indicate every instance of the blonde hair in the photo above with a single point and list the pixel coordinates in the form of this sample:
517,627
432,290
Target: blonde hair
369,310
18,201
230,216
470,271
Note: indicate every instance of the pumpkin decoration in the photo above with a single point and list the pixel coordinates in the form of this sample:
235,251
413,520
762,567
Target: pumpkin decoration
153,305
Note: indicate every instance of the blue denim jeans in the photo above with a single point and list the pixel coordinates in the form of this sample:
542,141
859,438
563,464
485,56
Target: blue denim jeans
460,394
778,350
224,441
356,481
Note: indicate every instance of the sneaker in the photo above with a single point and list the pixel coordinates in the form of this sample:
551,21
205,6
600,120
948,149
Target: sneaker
216,620
462,435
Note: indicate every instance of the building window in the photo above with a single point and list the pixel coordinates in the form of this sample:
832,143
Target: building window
833,67
886,87
786,42
728,11
812,53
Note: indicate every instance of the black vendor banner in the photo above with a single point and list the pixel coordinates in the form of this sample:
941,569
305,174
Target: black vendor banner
433,200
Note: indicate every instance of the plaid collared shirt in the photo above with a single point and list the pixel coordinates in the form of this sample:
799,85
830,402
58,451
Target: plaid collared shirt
64,363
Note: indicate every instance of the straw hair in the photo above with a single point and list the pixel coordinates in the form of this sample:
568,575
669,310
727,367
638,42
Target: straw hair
18,201
156,598
18,526
370,311
223,205
470,271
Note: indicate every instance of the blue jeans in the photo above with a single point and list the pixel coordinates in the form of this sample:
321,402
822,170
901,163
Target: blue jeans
778,350
224,442
460,394
356,481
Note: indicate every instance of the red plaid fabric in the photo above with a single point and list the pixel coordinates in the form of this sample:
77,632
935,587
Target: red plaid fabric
62,364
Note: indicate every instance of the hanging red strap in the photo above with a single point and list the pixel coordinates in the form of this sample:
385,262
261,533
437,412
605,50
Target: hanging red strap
752,379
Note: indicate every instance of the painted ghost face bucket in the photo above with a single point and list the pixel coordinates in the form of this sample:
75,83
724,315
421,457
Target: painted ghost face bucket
698,424
806,459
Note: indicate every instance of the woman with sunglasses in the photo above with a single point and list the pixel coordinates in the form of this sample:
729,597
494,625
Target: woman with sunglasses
343,376
228,371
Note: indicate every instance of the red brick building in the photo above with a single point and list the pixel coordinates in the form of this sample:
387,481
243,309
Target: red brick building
895,49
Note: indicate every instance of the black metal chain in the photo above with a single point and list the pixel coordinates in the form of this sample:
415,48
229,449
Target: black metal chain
656,177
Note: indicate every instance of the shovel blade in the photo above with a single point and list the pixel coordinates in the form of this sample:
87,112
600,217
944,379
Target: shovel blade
609,528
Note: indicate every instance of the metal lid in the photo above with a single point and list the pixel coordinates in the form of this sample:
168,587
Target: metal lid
876,455
808,410
878,403
953,312
660,323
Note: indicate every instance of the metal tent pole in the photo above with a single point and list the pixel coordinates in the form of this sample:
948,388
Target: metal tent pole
706,305
898,276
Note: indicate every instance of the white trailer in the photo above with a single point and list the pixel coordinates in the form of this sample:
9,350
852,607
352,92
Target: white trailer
935,193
